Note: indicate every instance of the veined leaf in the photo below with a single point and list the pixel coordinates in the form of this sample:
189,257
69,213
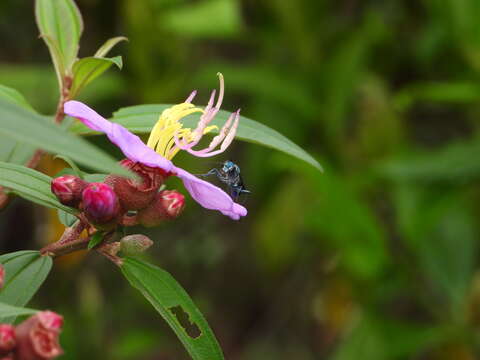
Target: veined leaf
15,97
108,45
88,69
95,240
171,301
11,150
141,119
61,22
31,128
30,184
25,271
11,311
66,218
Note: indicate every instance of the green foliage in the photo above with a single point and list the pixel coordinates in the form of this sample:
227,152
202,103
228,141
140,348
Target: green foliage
61,25
108,45
12,311
88,69
95,240
195,19
375,258
11,150
30,184
172,302
35,130
25,271
142,118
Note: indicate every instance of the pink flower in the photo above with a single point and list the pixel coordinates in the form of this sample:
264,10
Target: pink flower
7,339
167,138
37,337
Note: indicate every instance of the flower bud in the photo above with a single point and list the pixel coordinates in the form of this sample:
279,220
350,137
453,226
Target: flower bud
167,205
135,244
7,339
100,205
137,194
37,337
50,320
68,189
2,275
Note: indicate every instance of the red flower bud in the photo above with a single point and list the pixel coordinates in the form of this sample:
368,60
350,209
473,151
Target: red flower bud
167,205
68,189
7,339
137,194
37,337
100,205
2,276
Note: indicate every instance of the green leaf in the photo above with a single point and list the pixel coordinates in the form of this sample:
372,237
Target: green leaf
66,218
88,69
141,119
9,310
95,240
455,162
194,19
61,22
31,128
11,150
25,271
108,45
171,301
76,171
30,184
14,97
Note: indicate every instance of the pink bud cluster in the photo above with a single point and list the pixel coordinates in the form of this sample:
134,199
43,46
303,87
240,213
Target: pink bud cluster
105,205
34,339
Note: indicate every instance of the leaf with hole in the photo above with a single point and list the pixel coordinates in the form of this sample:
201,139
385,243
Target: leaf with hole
142,118
25,271
175,306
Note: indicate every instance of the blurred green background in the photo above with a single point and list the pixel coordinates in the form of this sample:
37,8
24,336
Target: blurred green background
377,258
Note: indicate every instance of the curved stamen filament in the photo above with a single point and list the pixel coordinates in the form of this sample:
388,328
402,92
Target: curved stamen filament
168,135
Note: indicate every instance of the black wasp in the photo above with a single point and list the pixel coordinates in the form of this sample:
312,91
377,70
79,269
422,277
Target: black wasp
229,174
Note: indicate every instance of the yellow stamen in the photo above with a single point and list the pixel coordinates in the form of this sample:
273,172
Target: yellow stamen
168,126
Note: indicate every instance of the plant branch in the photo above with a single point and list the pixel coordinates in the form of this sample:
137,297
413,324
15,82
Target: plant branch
68,242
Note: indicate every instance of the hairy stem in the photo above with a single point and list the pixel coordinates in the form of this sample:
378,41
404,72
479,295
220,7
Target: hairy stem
68,242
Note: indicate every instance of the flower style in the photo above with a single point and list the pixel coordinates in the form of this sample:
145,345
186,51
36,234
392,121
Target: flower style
167,138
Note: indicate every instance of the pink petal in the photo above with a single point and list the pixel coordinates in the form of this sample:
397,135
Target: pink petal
131,145
210,196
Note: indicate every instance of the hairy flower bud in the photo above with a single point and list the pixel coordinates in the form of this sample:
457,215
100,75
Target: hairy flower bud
7,339
137,194
2,275
37,337
68,189
100,205
135,244
167,205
